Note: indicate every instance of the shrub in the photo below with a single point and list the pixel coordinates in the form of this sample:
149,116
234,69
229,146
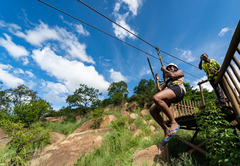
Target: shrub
23,139
98,117
222,144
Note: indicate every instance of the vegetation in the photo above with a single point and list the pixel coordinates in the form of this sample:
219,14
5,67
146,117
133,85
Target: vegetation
222,143
21,110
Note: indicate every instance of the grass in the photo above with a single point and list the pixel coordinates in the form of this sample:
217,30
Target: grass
66,127
5,154
118,146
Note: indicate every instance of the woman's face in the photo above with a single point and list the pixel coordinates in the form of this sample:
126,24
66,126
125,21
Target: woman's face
171,68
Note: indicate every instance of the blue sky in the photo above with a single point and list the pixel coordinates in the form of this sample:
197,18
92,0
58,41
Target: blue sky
53,53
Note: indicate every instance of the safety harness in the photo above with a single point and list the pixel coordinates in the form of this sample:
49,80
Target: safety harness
208,71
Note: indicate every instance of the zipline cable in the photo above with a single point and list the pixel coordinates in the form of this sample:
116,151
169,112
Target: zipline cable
133,33
107,33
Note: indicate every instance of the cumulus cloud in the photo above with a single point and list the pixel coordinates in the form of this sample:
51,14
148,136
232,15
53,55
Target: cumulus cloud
205,85
186,55
54,88
120,32
14,50
39,34
68,41
132,7
117,76
223,31
69,73
7,78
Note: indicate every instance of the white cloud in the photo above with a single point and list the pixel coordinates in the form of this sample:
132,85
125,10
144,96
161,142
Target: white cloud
117,76
186,54
7,78
29,73
54,88
144,71
68,41
18,71
81,30
223,31
120,32
10,26
69,73
205,85
39,34
25,60
133,6
14,50
55,98
30,84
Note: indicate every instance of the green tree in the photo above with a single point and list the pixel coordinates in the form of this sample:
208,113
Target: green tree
194,94
31,112
21,94
83,97
116,87
145,90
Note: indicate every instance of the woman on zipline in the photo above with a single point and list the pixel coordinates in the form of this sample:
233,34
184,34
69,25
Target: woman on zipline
172,91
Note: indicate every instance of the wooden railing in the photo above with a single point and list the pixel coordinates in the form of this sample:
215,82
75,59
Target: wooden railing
183,108
230,86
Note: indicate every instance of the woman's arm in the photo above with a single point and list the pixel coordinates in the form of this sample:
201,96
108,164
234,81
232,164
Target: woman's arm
175,75
158,87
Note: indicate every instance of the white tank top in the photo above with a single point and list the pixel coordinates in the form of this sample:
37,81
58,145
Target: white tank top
169,83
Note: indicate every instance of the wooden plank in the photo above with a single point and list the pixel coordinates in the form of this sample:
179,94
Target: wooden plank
191,151
192,145
191,112
181,108
194,107
184,102
176,110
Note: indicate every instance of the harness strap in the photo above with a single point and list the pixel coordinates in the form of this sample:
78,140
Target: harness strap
178,81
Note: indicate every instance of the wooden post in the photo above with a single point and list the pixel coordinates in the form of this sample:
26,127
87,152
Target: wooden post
232,99
233,81
192,145
236,61
198,104
235,72
230,52
233,91
202,97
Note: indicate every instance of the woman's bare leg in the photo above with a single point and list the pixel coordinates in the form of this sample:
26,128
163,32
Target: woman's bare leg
161,99
154,111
